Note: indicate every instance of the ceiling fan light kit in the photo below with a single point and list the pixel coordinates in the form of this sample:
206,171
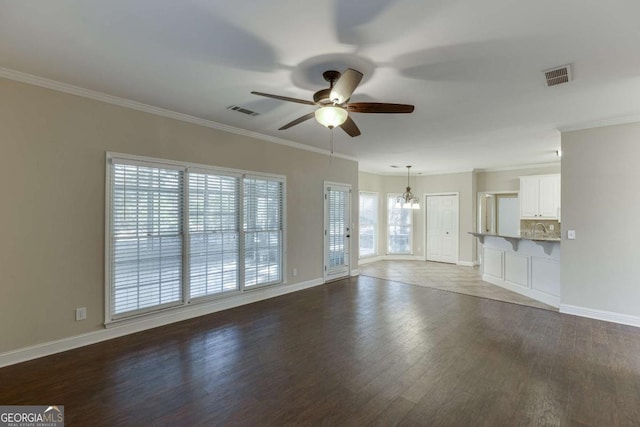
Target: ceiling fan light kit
331,116
333,103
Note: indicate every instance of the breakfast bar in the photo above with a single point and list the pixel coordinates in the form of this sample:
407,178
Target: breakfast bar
527,265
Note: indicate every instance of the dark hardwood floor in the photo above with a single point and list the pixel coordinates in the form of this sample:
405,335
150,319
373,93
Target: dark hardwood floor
359,352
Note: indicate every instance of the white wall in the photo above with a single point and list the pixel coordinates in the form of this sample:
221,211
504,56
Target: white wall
601,202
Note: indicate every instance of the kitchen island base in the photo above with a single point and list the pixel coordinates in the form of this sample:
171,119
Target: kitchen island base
530,267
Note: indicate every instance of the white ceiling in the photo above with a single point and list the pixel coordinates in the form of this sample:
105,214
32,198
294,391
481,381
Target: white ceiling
472,68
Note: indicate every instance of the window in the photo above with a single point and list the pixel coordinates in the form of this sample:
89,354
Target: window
368,224
147,216
399,227
262,231
213,234
179,233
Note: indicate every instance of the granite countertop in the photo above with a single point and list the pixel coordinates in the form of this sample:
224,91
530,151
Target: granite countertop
521,237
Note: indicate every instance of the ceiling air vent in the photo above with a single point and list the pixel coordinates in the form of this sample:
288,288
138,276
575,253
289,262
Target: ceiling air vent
558,75
242,110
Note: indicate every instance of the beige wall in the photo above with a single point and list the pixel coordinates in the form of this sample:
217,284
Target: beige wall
601,202
508,180
462,183
370,182
53,203
467,184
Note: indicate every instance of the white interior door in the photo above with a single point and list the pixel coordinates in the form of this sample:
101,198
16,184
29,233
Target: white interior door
442,228
337,232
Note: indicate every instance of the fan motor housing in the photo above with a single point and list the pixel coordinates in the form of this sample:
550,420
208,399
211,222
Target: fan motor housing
322,96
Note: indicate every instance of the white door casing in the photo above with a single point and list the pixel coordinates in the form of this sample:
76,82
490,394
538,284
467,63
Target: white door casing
337,230
442,227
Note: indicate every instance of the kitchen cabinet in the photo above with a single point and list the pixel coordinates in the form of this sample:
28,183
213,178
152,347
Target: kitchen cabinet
540,197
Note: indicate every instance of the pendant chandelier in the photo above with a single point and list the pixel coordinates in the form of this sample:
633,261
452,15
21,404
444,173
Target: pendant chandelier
408,200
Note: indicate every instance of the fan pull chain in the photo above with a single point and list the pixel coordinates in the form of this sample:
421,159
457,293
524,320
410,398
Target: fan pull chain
331,145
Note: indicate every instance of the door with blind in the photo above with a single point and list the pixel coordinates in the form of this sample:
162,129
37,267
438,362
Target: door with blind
337,232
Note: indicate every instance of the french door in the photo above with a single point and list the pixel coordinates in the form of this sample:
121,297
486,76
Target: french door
337,231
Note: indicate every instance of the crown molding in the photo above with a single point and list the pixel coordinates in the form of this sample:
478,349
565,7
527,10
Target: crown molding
31,79
517,167
499,169
413,174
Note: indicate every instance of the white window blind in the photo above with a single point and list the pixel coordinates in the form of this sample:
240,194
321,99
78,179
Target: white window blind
399,227
147,212
213,234
179,232
337,205
263,230
368,224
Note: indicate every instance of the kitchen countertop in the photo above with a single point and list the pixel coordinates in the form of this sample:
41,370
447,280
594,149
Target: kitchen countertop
521,237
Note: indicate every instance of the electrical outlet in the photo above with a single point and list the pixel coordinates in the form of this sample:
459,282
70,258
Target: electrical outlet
552,227
81,313
295,272
571,234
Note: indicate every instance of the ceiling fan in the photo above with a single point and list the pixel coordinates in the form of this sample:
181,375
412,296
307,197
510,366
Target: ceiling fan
334,106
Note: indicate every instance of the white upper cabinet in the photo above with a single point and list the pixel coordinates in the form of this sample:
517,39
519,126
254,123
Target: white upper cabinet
540,197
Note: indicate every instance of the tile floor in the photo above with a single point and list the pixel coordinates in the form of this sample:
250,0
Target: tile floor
447,277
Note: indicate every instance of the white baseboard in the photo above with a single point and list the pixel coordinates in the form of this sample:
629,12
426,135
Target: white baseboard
119,329
368,260
551,300
468,263
355,272
402,258
607,316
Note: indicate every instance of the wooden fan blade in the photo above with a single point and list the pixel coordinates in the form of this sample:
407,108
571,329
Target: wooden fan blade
284,98
344,87
350,127
298,121
379,107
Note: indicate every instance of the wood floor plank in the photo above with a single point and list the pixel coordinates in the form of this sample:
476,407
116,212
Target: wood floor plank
361,352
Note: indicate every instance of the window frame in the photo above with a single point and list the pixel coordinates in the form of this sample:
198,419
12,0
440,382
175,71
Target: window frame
283,236
187,168
376,225
187,232
393,196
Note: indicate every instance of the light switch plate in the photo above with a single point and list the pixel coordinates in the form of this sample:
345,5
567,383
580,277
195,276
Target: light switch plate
571,234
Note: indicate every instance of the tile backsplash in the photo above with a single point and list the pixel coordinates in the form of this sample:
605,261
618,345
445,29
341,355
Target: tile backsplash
526,226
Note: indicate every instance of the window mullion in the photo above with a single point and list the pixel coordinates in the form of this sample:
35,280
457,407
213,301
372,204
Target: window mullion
241,232
186,240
